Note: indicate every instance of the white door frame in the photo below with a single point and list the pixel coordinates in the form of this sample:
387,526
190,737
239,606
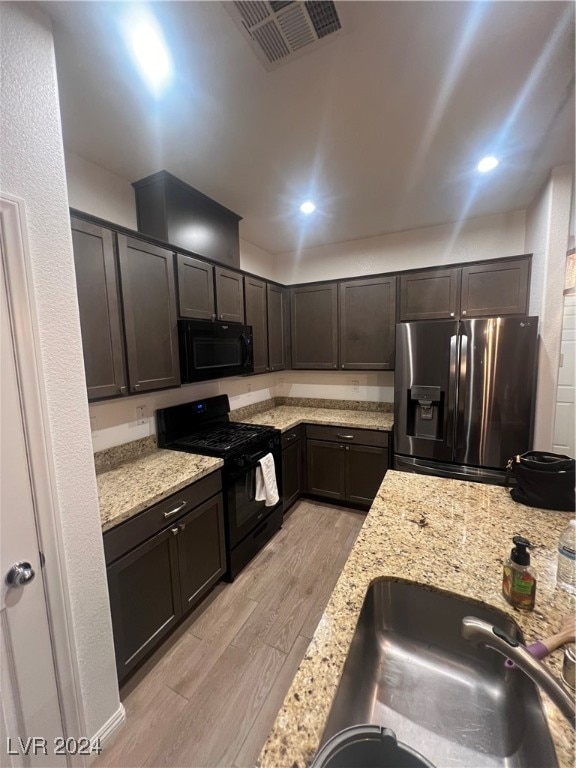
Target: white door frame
21,300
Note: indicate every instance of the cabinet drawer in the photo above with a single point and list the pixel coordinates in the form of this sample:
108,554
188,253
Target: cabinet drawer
347,435
133,532
291,436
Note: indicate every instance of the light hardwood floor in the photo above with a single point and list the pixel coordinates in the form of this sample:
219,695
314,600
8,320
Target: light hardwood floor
210,694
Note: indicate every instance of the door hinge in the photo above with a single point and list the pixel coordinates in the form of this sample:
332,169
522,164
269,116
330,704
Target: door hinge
42,559
561,360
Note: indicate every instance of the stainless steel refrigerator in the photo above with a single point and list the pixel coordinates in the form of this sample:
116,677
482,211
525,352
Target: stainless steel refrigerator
464,394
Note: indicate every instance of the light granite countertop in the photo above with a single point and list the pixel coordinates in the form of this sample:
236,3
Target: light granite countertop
137,475
444,533
285,417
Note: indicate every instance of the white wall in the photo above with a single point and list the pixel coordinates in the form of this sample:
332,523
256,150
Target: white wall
33,169
547,229
487,237
254,259
95,190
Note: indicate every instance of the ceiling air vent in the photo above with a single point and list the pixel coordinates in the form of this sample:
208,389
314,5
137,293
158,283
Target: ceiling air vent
279,30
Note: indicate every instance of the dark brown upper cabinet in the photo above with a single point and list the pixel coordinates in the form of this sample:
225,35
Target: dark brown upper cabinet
495,289
430,295
278,325
99,305
229,295
195,288
256,316
173,211
314,322
367,324
150,316
477,290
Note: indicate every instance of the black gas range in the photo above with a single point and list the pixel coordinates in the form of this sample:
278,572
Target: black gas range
204,427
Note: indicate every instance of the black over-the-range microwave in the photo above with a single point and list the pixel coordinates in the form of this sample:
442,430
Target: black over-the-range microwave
214,350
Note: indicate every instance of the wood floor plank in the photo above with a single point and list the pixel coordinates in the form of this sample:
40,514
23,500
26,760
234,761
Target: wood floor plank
208,731
252,745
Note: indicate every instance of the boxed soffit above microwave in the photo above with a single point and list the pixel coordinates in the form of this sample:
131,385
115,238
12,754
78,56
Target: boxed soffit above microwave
176,213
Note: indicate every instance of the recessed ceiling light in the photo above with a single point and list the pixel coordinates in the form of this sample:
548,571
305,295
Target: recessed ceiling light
149,51
487,164
308,207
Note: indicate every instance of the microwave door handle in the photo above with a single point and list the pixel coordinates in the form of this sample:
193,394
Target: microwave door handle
247,351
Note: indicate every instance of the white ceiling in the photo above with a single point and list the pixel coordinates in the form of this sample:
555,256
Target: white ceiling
382,126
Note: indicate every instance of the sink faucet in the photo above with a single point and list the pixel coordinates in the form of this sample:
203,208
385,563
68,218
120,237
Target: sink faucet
481,633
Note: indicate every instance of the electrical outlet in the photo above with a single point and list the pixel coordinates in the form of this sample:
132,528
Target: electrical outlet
93,424
249,386
281,381
141,414
355,385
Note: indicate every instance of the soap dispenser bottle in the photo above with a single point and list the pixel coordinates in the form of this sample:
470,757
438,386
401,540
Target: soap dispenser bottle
519,580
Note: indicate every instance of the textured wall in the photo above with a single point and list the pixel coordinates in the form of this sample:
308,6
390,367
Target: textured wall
547,229
33,168
95,190
487,237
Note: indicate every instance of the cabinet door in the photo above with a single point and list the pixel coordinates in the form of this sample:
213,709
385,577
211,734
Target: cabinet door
430,295
292,472
325,464
496,289
277,327
195,288
256,316
144,598
150,317
99,305
365,470
314,321
201,552
229,295
368,324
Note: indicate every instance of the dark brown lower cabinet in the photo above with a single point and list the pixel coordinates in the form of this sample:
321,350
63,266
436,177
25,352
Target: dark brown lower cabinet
155,584
292,469
201,553
365,469
340,467
145,601
325,469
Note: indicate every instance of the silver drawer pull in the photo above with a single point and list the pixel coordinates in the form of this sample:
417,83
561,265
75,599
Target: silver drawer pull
345,437
176,509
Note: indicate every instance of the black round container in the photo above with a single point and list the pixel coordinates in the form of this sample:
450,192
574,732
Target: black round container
367,746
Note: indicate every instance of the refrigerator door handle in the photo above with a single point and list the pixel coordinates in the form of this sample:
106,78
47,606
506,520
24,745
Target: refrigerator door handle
461,390
452,391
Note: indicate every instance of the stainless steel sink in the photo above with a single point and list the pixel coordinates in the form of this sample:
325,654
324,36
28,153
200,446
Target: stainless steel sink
409,669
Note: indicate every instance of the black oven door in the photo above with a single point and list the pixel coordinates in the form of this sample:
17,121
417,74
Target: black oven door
243,511
214,350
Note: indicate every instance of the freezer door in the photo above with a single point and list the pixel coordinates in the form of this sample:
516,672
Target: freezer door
496,389
425,389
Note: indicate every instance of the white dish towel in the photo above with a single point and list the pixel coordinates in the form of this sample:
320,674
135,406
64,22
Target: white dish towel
266,487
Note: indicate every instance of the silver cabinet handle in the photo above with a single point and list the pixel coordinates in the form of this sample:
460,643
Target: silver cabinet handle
345,437
136,386
176,509
451,314
122,389
463,311
174,531
347,447
20,574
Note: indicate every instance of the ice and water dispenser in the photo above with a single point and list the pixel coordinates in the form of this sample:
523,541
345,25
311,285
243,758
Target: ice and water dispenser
425,412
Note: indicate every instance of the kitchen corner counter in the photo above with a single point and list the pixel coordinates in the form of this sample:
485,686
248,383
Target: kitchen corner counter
443,533
143,475
285,417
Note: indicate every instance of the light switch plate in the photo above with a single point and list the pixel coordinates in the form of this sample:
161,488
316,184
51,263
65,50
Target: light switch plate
355,385
141,414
